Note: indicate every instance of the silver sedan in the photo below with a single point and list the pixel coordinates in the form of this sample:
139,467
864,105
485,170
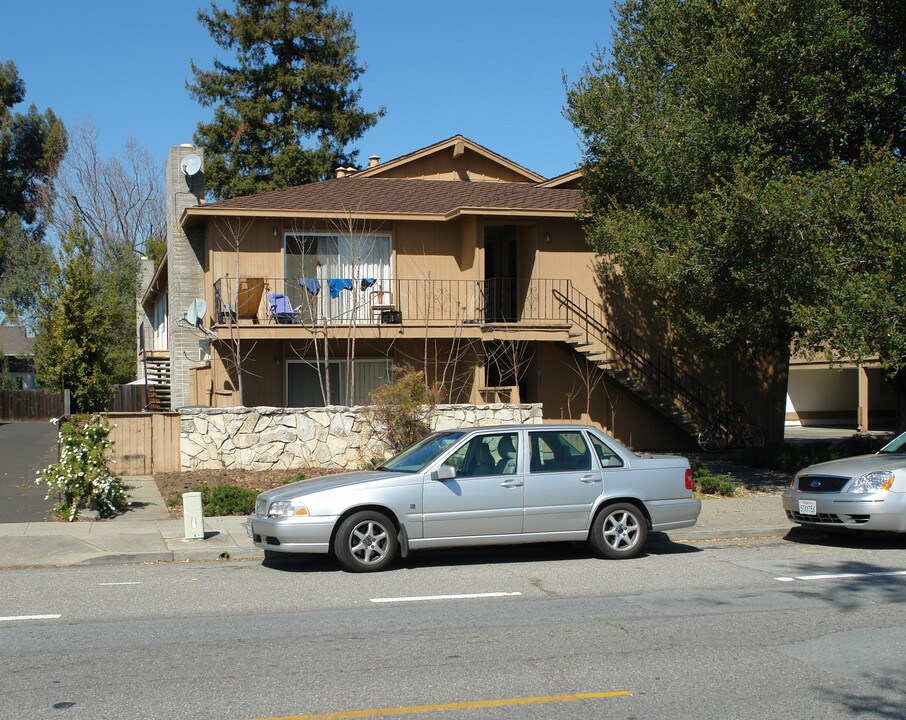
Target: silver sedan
482,486
867,492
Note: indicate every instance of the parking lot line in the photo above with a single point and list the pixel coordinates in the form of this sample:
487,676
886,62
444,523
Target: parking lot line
842,576
467,705
11,618
468,596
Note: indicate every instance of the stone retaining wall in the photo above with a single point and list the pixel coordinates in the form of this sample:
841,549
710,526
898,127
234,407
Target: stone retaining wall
266,438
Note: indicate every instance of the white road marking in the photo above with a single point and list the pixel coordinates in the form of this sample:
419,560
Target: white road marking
470,596
30,617
841,576
120,583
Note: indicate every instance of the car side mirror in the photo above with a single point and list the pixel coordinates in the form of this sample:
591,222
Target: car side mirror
444,472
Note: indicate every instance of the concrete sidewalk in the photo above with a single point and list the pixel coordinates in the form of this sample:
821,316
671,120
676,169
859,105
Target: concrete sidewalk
145,533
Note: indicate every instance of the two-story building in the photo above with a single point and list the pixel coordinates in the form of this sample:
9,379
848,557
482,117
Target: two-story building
452,259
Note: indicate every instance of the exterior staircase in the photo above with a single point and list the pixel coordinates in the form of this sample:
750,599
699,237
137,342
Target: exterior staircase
157,377
645,370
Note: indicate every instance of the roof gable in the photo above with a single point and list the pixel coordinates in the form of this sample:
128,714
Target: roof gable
456,158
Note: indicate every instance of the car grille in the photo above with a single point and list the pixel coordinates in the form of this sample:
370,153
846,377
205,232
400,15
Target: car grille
820,518
826,518
261,507
821,483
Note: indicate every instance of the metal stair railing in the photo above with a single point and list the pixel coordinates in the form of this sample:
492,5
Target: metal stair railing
656,371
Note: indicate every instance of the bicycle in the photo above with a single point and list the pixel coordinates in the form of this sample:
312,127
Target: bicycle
724,432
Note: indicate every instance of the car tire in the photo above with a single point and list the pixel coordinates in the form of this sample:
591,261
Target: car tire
619,531
366,541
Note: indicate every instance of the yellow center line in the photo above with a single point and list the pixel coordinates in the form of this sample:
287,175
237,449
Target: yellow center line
469,705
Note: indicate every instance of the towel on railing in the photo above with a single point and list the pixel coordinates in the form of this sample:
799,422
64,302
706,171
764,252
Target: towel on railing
367,283
313,285
338,285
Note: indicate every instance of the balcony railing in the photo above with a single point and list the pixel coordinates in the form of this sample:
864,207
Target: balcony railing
258,300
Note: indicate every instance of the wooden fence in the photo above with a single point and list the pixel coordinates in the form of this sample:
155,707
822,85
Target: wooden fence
129,399
144,443
30,405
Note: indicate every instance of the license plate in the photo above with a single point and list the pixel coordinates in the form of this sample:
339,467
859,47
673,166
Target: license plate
248,529
808,507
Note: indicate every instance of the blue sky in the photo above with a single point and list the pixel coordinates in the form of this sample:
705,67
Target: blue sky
488,69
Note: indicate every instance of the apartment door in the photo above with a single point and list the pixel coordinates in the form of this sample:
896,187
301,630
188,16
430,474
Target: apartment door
500,272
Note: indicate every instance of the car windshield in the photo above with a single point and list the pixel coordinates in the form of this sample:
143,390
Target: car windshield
897,445
417,457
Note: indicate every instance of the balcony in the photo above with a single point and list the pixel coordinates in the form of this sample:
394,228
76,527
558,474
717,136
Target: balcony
278,302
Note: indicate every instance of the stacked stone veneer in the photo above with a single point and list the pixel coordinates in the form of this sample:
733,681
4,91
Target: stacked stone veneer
267,438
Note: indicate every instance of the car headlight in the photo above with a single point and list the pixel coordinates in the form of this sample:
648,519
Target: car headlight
286,508
873,482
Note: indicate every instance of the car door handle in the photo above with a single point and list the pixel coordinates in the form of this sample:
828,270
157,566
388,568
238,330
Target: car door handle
590,478
511,483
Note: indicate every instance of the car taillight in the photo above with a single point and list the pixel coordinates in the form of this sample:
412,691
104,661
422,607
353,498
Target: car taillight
689,483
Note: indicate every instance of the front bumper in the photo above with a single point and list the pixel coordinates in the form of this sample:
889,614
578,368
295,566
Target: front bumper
292,535
884,512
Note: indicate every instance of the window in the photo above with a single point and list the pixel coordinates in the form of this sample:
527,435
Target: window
318,266
605,454
304,382
559,451
486,455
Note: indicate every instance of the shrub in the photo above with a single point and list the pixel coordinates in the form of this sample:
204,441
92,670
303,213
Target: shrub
401,410
792,457
227,500
81,479
710,484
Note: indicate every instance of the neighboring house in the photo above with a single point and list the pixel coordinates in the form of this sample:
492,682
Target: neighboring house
18,356
451,259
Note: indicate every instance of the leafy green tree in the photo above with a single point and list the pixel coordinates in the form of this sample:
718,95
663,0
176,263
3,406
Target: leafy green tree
293,79
73,348
744,166
26,262
31,147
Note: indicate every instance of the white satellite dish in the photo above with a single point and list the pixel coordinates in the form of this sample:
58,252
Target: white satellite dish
190,164
195,315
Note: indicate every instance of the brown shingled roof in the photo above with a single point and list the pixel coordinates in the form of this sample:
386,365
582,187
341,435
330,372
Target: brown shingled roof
397,196
15,343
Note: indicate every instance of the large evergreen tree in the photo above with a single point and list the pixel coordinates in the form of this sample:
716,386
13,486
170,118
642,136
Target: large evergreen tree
75,347
745,169
31,148
293,80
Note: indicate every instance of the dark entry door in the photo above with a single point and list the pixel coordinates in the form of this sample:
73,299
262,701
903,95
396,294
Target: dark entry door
500,273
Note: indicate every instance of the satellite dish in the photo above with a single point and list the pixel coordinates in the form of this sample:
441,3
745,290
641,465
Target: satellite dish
195,315
190,164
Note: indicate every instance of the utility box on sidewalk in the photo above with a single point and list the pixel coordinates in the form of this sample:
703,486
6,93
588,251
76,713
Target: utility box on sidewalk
192,515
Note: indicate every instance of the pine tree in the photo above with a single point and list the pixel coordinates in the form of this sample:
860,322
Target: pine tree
72,349
293,80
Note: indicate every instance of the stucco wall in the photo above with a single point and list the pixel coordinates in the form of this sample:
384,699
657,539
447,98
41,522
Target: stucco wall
264,438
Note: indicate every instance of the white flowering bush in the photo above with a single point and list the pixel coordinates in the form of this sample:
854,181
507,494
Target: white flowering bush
81,479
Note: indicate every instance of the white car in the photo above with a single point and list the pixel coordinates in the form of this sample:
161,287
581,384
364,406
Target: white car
867,492
482,486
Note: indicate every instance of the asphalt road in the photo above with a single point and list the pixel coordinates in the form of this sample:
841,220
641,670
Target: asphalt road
25,448
721,630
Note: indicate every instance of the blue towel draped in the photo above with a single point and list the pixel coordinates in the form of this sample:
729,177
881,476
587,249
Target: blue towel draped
338,285
313,285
